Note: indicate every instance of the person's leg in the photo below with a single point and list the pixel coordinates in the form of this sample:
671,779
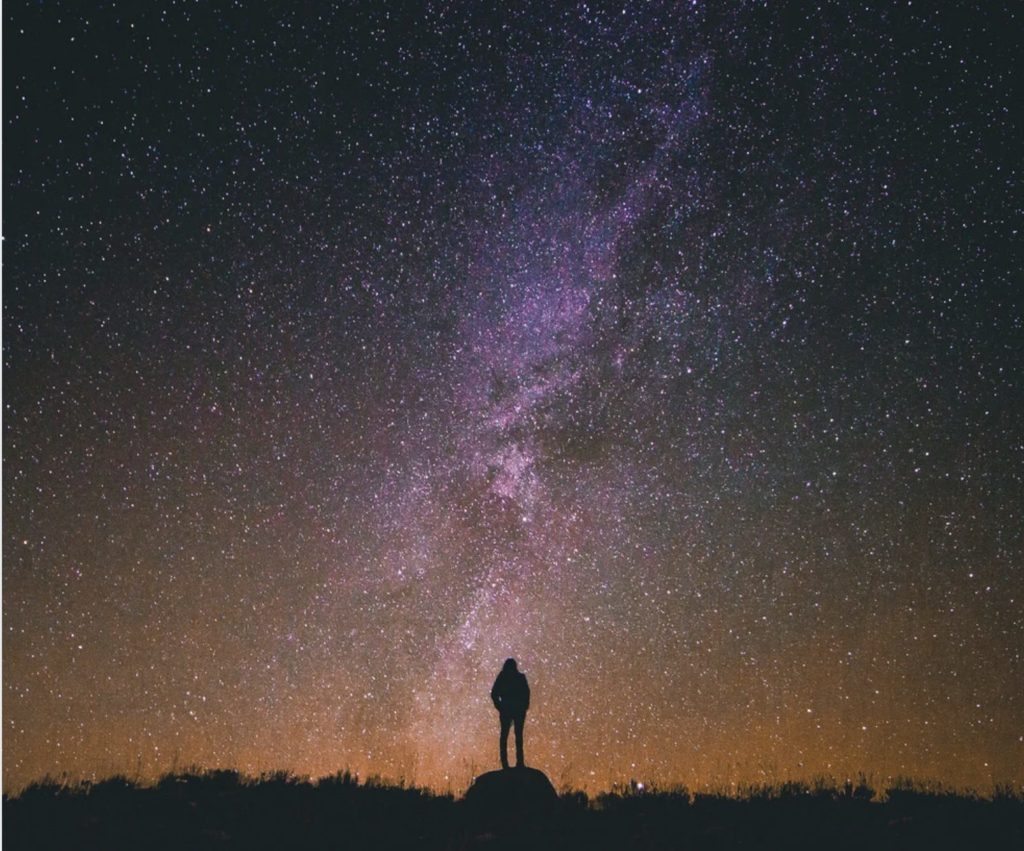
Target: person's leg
506,722
520,720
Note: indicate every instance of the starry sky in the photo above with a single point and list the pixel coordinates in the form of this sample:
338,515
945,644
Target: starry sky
674,349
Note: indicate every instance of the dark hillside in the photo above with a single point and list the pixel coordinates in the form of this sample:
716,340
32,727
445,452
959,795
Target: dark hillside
222,810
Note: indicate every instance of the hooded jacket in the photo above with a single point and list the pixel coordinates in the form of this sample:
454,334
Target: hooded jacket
511,692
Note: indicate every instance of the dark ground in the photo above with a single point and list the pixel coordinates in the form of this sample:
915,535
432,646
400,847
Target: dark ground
222,810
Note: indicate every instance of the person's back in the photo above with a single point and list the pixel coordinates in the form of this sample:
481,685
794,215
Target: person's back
511,696
512,692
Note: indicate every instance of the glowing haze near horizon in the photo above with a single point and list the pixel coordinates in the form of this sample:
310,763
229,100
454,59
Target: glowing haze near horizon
676,353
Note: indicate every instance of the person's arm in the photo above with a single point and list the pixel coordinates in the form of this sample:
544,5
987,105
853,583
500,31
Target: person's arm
526,689
496,694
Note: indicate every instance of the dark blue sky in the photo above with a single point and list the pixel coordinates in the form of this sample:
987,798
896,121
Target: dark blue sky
674,349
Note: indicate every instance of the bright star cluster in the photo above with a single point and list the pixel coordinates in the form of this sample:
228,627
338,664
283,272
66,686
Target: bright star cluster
674,349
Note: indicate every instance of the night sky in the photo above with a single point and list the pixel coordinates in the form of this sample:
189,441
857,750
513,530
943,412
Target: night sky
674,349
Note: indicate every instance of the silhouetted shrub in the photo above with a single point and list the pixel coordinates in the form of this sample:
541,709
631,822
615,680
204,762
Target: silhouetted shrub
198,809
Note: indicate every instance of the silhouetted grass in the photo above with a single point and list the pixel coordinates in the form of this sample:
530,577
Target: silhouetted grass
220,809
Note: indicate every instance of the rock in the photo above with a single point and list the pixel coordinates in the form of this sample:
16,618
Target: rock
512,800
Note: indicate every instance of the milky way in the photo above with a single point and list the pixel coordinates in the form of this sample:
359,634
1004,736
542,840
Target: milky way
675,352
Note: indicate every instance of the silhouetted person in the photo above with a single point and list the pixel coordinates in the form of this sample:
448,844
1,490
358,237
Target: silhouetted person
511,696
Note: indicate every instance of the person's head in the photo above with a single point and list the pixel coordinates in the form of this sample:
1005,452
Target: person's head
510,665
